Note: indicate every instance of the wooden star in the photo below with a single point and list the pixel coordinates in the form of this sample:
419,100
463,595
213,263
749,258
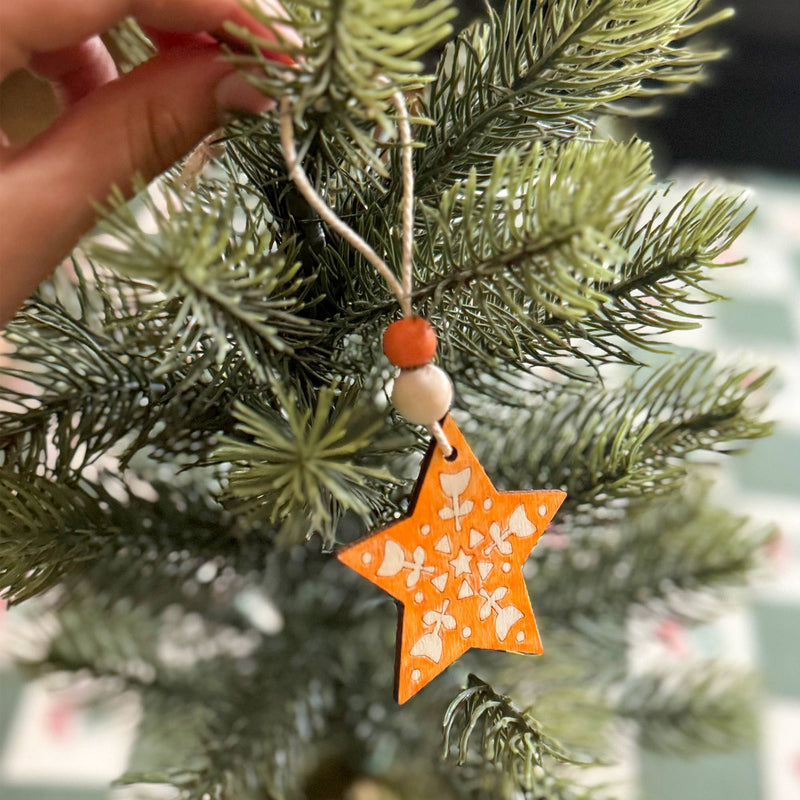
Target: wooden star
455,565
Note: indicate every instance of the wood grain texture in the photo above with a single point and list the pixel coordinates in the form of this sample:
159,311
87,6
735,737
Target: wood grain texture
455,565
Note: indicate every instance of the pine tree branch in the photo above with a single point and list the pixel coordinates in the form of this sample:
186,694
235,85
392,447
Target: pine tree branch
303,464
185,669
526,270
101,392
356,54
46,529
207,281
677,556
253,707
500,256
55,531
512,744
541,69
620,443
671,257
530,229
349,43
87,399
497,256
699,707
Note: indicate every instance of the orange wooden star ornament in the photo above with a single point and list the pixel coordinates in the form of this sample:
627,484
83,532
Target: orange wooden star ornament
455,565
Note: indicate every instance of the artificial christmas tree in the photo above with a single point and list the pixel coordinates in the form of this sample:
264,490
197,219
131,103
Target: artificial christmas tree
199,413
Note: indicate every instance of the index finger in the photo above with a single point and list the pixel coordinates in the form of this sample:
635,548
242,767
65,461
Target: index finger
69,22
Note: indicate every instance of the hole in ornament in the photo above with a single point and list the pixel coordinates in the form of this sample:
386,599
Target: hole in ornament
453,455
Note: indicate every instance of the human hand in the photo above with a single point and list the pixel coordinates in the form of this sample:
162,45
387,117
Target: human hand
113,128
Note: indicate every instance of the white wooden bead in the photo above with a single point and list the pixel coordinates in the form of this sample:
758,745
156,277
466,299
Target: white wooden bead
423,395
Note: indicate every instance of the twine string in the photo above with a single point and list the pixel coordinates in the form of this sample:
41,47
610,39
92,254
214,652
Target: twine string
402,289
407,141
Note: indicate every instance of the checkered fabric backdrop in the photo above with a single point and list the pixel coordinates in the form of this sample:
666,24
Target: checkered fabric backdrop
52,749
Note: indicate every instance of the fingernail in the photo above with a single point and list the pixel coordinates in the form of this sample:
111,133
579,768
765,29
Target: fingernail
223,37
275,9
235,93
250,20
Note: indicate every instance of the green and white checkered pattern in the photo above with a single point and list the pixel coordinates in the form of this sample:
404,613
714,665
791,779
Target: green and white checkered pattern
761,326
51,749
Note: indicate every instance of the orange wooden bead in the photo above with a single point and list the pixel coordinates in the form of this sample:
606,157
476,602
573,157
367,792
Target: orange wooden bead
410,342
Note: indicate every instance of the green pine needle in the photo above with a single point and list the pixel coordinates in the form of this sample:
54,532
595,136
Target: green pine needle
693,708
302,465
543,67
37,516
678,555
206,279
510,742
630,441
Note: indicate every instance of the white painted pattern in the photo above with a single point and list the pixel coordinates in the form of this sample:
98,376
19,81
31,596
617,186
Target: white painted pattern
429,645
484,568
505,616
444,545
453,486
440,581
518,525
461,563
475,538
394,561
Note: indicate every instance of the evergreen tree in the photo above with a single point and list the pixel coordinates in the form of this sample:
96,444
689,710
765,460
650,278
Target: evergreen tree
196,412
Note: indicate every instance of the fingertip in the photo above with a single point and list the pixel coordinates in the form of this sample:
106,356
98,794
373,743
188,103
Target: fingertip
167,41
238,46
271,30
77,71
135,126
234,93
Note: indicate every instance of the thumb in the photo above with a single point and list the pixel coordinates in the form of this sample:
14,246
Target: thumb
135,126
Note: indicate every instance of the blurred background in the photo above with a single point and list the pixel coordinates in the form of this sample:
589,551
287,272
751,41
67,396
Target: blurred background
748,114
740,130
744,126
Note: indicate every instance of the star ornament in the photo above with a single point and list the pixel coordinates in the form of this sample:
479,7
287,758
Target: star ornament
455,564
